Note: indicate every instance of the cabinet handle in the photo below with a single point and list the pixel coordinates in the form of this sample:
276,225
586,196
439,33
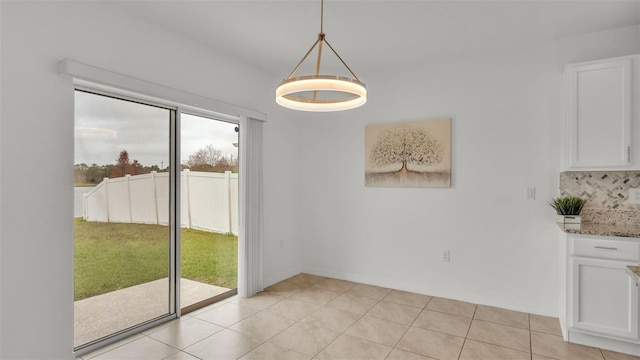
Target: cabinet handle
606,247
628,153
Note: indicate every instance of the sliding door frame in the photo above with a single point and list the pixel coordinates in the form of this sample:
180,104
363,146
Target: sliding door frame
214,117
250,266
173,300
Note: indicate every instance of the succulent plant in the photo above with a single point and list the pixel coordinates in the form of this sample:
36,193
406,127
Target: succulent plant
568,205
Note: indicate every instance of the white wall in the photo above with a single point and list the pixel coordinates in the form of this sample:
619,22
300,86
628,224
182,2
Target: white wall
506,112
36,144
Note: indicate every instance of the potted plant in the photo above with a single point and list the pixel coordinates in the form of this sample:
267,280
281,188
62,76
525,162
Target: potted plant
568,209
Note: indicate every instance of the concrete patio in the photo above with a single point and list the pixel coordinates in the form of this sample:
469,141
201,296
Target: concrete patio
105,314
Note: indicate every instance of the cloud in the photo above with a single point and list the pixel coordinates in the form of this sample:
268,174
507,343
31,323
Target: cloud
105,126
95,133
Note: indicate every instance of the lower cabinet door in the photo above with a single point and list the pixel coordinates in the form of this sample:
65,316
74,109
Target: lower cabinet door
604,298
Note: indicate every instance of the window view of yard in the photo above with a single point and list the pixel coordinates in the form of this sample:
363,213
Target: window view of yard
113,256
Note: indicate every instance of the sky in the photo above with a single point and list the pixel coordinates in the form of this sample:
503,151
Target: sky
105,126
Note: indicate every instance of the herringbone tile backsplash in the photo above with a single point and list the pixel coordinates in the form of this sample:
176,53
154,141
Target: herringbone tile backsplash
601,189
606,192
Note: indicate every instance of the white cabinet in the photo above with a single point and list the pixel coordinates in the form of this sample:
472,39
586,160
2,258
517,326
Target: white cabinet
602,299
603,112
605,298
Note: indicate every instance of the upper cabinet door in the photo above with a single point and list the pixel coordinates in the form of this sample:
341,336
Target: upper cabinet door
600,113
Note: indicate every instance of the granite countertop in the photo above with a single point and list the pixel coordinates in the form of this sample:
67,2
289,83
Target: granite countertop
632,231
634,272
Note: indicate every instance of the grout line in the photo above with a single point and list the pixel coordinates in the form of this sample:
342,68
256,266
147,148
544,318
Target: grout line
406,331
344,332
297,322
469,329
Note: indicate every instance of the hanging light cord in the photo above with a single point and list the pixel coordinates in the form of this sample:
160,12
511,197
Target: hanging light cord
321,16
321,39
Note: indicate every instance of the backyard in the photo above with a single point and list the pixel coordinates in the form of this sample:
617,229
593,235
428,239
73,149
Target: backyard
113,256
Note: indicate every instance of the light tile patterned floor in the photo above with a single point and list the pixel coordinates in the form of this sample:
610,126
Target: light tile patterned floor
311,317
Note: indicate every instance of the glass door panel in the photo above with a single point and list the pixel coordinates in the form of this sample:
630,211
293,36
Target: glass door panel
122,238
209,211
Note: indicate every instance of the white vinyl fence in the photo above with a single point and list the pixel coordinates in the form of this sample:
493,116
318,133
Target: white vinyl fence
209,201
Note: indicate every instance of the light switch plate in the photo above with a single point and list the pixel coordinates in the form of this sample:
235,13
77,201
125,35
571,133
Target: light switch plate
634,196
530,193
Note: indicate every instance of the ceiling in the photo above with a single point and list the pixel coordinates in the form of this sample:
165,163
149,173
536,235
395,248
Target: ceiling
374,36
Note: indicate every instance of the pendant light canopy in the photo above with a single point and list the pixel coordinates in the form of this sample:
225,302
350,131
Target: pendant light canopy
321,92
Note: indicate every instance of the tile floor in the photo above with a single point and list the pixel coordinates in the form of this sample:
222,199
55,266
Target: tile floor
311,317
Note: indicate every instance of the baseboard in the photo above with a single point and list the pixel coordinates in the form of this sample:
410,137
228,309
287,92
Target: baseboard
394,284
268,281
604,343
352,277
563,328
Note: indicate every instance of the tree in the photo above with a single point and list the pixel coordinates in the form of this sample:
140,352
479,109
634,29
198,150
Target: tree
96,173
80,173
204,158
138,169
123,166
212,159
407,146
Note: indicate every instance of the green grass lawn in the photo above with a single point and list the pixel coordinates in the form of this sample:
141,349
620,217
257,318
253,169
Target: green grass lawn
112,256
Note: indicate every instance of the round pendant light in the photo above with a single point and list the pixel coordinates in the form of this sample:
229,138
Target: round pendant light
321,92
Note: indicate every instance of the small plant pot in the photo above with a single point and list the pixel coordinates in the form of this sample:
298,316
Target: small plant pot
570,226
568,219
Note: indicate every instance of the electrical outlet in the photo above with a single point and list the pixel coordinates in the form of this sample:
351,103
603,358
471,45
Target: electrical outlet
446,256
634,196
281,244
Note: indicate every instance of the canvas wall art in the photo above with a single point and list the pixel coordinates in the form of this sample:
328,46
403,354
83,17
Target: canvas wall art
408,154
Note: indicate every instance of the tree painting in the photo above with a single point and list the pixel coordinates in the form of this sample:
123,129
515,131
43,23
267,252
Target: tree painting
413,154
407,146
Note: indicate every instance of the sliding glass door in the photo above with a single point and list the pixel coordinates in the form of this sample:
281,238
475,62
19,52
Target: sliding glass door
124,239
156,214
209,210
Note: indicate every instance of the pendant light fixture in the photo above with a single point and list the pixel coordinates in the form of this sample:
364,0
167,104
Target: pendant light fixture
321,92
